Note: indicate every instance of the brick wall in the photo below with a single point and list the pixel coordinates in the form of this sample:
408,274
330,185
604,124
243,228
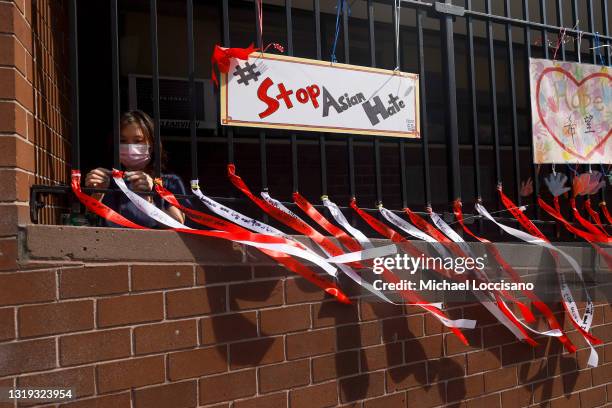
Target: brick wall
214,330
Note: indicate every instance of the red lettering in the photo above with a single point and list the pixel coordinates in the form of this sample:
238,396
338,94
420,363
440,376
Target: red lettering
284,95
301,95
314,92
262,94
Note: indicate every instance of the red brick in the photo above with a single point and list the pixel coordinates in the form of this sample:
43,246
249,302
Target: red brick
333,313
593,398
27,356
27,287
8,249
253,295
267,401
362,386
285,319
402,328
430,396
464,388
500,379
96,346
400,378
484,360
516,353
130,309
159,337
17,152
496,336
517,397
12,118
377,357
376,310
198,301
93,281
7,324
284,376
257,352
79,380
388,401
276,271
602,374
456,346
150,277
318,396
130,373
122,400
310,343
489,401
299,290
55,318
427,348
227,387
197,363
446,368
359,335
230,327
206,275
175,395
335,365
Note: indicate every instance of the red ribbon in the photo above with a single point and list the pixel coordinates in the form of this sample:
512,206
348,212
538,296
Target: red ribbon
530,226
541,306
604,209
601,236
284,259
221,58
594,215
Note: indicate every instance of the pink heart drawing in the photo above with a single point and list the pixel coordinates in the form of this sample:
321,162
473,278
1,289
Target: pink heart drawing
602,134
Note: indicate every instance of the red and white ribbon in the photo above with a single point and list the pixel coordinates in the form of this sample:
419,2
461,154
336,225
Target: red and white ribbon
341,219
582,323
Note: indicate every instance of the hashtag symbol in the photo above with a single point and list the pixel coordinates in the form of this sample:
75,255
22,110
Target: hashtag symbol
246,74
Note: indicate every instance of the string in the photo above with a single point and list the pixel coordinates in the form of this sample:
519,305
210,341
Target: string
398,15
522,208
560,40
339,6
260,20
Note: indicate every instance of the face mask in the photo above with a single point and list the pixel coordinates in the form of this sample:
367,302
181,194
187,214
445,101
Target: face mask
134,156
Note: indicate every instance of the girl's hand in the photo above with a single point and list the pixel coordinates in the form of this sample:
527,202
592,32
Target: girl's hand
139,181
98,178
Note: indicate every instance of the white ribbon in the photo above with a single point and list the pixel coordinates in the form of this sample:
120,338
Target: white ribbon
341,219
586,320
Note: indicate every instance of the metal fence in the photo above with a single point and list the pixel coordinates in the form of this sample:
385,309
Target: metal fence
535,40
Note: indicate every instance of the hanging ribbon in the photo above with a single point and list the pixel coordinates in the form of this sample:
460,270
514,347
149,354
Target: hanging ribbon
553,323
600,236
341,219
606,213
339,7
221,58
285,260
583,323
597,48
594,214
397,9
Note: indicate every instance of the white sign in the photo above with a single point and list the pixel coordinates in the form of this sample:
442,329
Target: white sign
275,91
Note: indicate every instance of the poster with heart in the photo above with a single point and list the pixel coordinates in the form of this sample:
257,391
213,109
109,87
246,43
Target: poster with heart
571,110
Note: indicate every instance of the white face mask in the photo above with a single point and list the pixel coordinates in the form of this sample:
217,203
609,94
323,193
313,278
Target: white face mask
134,156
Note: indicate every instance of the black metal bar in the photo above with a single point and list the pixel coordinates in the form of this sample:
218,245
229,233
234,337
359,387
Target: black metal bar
575,18
511,84
452,133
474,104
293,140
155,71
397,59
544,28
493,87
192,91
534,167
115,82
350,142
420,15
560,24
228,130
322,152
74,96
606,27
262,135
372,42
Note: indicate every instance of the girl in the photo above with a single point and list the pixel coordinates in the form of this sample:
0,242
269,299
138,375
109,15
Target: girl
137,155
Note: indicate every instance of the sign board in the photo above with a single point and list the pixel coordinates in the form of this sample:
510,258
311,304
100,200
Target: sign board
280,92
174,106
571,111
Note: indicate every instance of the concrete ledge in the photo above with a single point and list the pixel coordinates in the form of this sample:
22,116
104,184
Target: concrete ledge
68,243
